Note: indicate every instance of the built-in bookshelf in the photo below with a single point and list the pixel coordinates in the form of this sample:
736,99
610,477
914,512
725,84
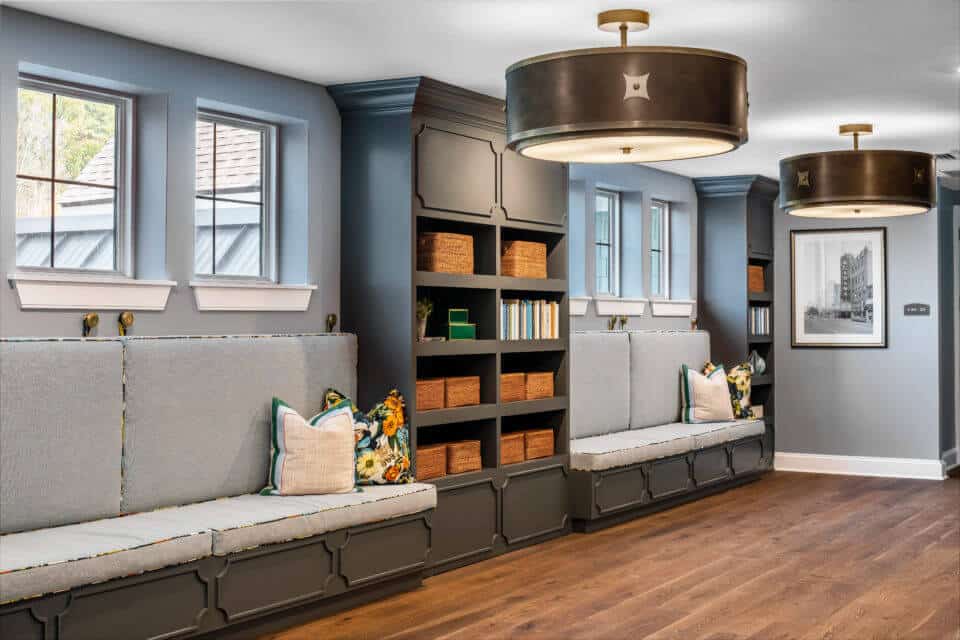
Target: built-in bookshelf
424,156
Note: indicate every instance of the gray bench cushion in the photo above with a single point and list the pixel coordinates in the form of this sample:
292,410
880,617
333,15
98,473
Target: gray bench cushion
655,359
600,382
59,558
640,445
198,410
60,422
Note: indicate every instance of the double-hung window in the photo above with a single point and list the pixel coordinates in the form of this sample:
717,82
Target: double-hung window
659,249
73,178
235,198
607,243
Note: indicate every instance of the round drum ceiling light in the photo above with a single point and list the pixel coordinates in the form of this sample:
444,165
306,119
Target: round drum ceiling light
858,183
627,104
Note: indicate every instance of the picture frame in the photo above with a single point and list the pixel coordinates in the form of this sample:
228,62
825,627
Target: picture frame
838,288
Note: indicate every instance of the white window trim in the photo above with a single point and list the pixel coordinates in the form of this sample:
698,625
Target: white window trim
672,308
123,167
617,199
52,290
610,306
250,295
664,248
578,306
269,248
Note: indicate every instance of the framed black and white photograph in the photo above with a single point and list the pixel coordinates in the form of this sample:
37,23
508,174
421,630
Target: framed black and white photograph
839,287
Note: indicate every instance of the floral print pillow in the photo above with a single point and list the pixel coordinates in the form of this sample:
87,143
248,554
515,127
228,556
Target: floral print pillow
738,380
382,439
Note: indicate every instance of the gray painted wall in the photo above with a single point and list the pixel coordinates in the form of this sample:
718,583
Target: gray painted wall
639,185
947,201
169,84
865,402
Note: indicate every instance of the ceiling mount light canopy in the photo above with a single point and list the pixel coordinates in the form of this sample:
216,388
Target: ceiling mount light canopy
627,104
858,183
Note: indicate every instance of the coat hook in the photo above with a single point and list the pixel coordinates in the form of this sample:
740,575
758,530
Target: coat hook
331,322
124,322
90,322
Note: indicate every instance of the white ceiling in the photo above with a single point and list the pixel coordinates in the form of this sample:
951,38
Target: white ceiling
812,64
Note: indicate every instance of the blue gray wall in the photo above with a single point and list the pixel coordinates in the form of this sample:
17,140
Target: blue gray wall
865,402
169,85
639,185
947,201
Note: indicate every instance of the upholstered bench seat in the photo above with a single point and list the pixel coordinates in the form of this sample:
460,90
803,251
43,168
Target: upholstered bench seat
623,448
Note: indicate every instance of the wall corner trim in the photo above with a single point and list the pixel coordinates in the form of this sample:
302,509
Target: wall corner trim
232,295
578,306
672,308
61,291
620,306
916,468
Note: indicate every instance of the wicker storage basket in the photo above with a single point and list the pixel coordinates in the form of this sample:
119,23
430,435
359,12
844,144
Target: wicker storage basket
512,448
523,259
513,387
463,456
756,280
430,394
538,443
462,391
445,252
539,385
431,461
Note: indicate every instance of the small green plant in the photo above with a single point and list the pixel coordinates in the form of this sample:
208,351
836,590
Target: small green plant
424,308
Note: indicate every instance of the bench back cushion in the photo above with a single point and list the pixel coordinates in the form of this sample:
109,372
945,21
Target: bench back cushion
61,405
655,359
600,383
198,410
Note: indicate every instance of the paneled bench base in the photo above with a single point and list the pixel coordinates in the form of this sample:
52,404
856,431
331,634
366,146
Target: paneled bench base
241,595
601,499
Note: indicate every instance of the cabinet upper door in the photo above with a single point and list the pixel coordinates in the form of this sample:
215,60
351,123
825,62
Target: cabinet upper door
760,225
533,190
455,171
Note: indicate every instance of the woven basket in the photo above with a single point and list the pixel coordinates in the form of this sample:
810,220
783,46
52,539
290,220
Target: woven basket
462,392
756,280
445,252
512,448
523,259
430,394
513,387
539,385
538,443
431,461
464,456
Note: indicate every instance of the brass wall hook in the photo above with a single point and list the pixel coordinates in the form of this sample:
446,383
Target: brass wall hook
90,322
124,322
331,322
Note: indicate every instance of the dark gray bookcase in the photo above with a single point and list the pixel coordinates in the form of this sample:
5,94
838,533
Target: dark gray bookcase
421,155
735,232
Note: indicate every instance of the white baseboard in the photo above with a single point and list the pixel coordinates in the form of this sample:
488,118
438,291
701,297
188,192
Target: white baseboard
919,468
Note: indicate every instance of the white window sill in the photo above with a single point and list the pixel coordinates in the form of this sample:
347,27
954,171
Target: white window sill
238,295
631,307
578,306
672,308
81,291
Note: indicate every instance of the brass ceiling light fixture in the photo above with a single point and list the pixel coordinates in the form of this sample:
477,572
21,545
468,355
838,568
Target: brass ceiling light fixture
627,104
858,183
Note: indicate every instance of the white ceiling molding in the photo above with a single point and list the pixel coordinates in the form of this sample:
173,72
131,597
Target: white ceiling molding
216,295
76,291
672,308
578,306
632,307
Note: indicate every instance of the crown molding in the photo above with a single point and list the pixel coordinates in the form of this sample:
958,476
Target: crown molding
724,186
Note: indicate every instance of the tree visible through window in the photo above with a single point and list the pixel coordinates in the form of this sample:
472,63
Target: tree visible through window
606,236
69,189
659,249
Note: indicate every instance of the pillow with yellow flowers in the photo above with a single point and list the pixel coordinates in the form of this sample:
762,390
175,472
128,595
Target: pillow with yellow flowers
738,380
382,439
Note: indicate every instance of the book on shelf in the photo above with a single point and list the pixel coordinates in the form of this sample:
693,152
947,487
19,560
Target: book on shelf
760,321
529,320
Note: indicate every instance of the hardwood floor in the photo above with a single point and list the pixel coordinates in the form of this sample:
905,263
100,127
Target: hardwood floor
791,556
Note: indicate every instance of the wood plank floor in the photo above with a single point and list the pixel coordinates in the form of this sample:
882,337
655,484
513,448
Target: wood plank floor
791,556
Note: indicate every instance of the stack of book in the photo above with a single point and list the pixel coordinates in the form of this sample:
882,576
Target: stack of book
529,320
759,321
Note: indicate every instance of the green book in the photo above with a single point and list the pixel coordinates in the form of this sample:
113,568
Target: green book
458,316
462,331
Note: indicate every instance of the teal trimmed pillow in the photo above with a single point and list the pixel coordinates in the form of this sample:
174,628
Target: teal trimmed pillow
705,398
739,381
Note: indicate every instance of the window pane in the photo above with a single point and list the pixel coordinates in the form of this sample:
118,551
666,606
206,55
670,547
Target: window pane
603,227
85,142
656,284
204,158
603,269
656,228
34,132
33,223
237,239
85,227
239,163
203,248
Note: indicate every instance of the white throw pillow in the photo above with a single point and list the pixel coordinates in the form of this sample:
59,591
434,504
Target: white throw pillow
706,398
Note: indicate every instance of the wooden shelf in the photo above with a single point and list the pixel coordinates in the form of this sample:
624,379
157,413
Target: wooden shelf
536,463
523,407
546,285
527,346
455,348
457,478
764,380
760,339
455,280
458,414
761,296
759,257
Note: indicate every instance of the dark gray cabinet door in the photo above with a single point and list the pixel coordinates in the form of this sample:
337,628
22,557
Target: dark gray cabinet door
533,190
455,171
464,523
759,226
535,503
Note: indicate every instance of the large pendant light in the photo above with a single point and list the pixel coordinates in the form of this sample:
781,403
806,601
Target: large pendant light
858,183
627,104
